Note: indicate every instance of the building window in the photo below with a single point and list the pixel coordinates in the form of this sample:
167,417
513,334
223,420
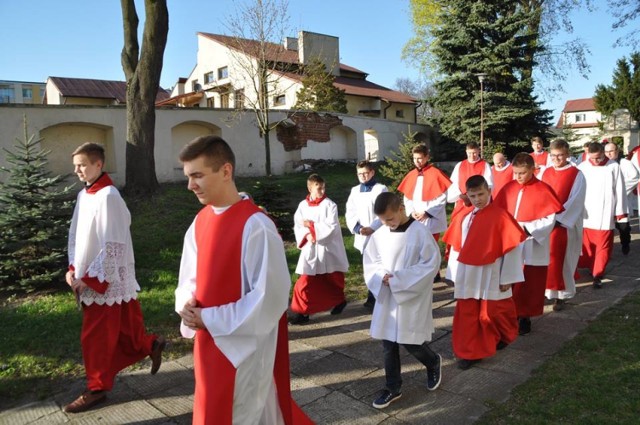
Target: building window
279,100
211,102
7,95
224,100
27,93
208,78
581,117
223,73
239,99
399,113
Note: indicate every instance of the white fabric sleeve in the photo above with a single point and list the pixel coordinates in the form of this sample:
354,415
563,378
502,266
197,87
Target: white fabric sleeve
351,213
437,206
488,175
621,195
511,270
299,230
326,228
187,277
374,271
238,327
453,193
541,228
408,206
413,281
72,232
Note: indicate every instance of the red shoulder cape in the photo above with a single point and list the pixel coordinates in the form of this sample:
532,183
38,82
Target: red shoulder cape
538,200
493,233
434,183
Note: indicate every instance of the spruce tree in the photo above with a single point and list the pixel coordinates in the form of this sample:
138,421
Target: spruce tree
488,37
399,163
318,92
34,218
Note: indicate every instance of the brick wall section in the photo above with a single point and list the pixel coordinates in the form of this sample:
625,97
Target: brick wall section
309,126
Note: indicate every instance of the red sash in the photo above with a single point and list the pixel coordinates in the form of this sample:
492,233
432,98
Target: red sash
561,181
434,183
492,234
538,200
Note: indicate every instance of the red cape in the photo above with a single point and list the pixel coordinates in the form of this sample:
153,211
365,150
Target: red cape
538,200
434,183
493,233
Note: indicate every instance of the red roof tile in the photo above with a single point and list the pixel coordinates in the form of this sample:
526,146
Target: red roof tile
97,89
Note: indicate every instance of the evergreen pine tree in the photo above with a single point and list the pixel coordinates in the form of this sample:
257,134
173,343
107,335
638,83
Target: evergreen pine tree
318,93
399,163
34,218
487,37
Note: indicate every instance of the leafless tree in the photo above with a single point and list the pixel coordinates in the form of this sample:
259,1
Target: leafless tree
142,68
258,28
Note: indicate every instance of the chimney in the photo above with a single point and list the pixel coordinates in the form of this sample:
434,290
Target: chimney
313,46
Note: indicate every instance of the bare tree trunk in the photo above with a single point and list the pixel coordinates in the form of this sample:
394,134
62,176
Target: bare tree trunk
143,80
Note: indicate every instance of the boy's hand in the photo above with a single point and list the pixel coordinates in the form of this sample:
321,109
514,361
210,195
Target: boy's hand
385,279
307,223
192,316
505,288
366,231
420,216
465,200
310,238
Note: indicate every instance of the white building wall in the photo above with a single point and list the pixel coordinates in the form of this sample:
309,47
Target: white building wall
65,127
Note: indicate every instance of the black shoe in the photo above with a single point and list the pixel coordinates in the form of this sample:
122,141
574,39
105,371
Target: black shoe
298,319
369,304
385,399
501,345
156,354
597,283
625,249
438,278
338,309
434,375
558,304
465,364
524,325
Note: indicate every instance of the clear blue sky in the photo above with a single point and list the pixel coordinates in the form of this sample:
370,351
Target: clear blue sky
83,39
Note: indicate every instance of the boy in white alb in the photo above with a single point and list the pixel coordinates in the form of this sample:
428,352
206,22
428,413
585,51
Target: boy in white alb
400,262
323,258
361,221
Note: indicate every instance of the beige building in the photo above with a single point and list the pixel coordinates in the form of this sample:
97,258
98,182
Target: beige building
21,92
225,66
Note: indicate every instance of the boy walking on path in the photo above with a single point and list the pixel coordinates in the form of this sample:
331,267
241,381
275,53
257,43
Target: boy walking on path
323,258
400,262
102,276
534,205
485,260
361,221
566,237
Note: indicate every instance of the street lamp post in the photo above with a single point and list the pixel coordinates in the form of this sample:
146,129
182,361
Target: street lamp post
481,76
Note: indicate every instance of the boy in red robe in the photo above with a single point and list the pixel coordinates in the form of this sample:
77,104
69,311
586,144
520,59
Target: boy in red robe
502,172
232,295
539,155
102,276
484,262
474,165
534,205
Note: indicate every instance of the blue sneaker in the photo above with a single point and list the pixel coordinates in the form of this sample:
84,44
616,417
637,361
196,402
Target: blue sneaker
385,399
434,375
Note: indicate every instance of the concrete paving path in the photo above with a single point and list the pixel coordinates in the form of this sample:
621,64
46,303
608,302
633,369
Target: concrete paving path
337,370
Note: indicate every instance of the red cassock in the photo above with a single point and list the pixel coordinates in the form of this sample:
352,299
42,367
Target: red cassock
500,178
538,201
561,182
215,375
479,324
435,183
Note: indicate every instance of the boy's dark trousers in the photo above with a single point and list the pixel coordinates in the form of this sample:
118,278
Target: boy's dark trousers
421,352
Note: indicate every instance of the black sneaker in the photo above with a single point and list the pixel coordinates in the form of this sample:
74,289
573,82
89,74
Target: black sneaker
501,345
524,326
558,304
465,364
385,399
434,375
298,319
338,309
597,283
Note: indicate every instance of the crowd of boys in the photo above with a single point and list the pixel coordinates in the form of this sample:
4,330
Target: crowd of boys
517,234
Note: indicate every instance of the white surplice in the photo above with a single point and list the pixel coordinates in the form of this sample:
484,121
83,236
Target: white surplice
536,247
436,208
100,246
360,211
606,197
246,331
631,177
403,310
328,254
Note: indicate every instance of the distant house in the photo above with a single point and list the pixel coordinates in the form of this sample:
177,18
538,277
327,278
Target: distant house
21,92
220,80
83,91
588,125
